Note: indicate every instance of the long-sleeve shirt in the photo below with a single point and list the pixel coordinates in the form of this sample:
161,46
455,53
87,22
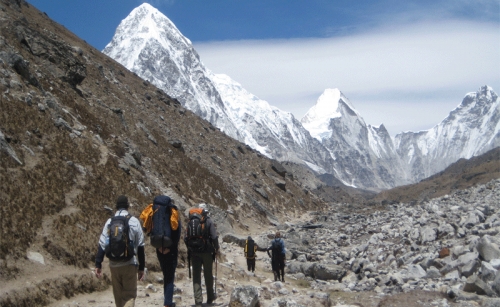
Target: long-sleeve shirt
136,236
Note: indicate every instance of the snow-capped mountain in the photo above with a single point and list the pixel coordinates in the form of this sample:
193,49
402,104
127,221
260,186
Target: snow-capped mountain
332,139
273,132
471,129
149,44
363,154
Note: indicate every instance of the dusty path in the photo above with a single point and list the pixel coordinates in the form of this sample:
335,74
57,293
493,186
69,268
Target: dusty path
231,271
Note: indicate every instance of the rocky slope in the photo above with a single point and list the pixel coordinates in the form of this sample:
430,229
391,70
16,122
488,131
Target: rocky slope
77,129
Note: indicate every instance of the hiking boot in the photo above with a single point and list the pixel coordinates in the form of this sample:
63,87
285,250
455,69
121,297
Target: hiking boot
210,302
171,305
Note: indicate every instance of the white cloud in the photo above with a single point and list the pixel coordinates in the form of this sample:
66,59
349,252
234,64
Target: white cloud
407,77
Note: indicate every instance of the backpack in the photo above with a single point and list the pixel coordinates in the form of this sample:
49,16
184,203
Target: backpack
159,220
120,247
250,249
276,247
196,236
147,219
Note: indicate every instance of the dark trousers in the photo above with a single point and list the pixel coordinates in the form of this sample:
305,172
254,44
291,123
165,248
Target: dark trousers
278,266
168,263
251,264
205,260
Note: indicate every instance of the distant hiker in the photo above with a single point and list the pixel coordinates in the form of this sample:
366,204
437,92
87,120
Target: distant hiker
203,245
161,221
122,241
250,253
278,257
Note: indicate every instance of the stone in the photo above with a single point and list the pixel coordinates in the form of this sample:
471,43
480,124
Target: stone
428,234
495,285
470,268
488,272
432,273
328,272
453,275
244,296
414,272
495,263
444,252
487,249
36,257
476,285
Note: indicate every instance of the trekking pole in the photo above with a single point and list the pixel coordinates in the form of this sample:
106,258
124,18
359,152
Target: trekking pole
215,276
189,264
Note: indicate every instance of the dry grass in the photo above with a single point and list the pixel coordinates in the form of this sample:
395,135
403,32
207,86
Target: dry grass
54,200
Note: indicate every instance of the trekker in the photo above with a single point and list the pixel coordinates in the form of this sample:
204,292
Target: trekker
203,246
170,222
250,253
122,241
278,257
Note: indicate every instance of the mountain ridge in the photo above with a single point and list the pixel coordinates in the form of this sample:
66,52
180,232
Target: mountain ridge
336,141
77,129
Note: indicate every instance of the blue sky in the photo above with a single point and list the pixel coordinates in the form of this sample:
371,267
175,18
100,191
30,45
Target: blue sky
405,64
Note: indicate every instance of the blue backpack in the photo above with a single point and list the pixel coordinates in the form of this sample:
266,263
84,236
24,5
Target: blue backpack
277,247
161,232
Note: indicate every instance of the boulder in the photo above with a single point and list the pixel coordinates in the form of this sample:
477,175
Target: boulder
414,272
432,273
444,252
478,286
428,234
488,272
470,268
328,272
244,296
495,285
487,249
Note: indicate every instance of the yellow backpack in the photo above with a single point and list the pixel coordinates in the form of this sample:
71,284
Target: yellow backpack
147,218
250,249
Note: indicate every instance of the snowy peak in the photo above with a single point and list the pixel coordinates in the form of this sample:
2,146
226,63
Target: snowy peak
143,25
149,44
469,130
331,138
146,21
331,104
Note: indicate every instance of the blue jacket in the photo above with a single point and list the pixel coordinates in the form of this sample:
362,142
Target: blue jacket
280,242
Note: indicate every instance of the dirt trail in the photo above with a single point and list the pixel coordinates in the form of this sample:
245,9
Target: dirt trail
231,271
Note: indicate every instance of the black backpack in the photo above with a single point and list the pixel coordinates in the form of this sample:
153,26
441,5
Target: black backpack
250,249
120,247
276,248
196,236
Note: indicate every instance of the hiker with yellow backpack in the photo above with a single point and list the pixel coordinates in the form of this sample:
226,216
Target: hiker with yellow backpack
161,222
250,253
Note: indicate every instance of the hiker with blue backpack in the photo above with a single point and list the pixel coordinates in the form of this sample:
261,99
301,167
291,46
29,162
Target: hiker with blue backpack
122,242
277,256
162,223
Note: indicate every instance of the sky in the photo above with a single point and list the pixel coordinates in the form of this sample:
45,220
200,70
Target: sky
404,64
